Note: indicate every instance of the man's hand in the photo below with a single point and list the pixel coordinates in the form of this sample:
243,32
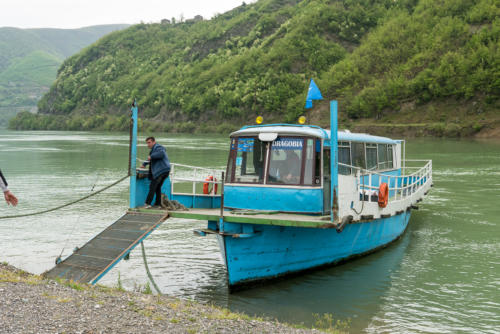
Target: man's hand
149,158
10,198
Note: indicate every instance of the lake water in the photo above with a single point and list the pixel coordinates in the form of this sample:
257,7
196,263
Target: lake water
442,276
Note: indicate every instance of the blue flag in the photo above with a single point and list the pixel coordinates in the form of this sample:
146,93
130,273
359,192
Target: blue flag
312,94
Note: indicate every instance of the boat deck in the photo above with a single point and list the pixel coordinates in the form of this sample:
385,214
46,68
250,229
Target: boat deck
251,217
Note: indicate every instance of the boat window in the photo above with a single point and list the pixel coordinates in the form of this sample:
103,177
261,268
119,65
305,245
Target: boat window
389,157
358,154
309,165
385,156
317,162
285,161
371,156
326,163
382,156
230,163
246,162
344,157
312,171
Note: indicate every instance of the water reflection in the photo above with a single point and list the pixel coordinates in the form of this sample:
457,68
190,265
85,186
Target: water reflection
352,290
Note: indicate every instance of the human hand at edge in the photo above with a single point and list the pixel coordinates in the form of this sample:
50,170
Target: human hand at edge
10,198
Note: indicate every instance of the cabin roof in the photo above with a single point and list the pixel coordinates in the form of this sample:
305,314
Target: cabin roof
311,131
363,137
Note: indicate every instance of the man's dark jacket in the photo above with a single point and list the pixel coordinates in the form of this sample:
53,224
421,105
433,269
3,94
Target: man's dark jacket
159,163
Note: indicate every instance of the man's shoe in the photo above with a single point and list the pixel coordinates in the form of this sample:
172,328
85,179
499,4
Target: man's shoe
146,206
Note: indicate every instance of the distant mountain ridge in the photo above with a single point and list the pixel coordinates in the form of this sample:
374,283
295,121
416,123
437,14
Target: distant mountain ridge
29,59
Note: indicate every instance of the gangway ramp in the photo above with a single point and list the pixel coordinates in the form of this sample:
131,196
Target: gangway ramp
92,261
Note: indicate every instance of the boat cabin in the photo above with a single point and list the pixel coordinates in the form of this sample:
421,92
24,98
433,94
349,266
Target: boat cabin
286,168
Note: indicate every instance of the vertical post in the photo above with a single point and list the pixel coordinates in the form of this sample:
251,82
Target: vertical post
194,183
334,188
369,186
222,196
133,158
220,225
404,157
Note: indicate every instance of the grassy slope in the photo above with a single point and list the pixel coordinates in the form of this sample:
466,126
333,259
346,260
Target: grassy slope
69,41
29,59
17,43
37,67
26,79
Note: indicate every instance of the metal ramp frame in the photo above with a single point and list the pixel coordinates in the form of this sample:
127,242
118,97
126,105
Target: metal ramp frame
92,261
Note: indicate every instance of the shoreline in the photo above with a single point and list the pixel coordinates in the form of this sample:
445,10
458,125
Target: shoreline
404,125
32,304
405,131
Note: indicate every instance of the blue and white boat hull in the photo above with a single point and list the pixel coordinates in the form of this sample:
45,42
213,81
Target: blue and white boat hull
275,251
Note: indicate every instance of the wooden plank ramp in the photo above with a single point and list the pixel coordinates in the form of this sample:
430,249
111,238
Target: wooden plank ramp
93,260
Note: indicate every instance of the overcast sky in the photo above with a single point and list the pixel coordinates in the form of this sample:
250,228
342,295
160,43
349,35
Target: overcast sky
82,13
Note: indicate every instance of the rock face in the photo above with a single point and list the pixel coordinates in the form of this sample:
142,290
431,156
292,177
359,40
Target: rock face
30,304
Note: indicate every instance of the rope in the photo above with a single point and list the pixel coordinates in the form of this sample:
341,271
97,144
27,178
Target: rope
67,204
147,269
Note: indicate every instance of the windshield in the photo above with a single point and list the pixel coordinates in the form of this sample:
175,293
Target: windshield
246,160
284,161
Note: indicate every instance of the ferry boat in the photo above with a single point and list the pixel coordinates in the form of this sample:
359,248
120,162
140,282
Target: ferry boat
296,197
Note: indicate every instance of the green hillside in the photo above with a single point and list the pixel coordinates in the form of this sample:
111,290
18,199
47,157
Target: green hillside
23,80
29,59
38,67
430,65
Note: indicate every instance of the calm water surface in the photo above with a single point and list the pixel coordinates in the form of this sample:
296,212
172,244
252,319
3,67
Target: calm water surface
442,276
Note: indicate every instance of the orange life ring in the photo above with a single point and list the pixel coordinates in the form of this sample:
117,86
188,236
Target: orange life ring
383,195
206,186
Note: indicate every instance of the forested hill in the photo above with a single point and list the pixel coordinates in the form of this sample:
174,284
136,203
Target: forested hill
29,59
388,62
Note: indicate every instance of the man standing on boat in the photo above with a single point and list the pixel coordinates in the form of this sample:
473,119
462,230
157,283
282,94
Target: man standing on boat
7,194
159,168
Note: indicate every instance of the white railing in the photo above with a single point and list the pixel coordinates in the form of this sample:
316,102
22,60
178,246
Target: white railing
401,187
180,173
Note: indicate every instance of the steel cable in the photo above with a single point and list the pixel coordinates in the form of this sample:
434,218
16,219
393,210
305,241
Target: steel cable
65,205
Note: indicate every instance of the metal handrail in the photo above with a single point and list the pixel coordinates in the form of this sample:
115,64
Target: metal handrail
366,171
416,160
409,183
194,179
196,167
